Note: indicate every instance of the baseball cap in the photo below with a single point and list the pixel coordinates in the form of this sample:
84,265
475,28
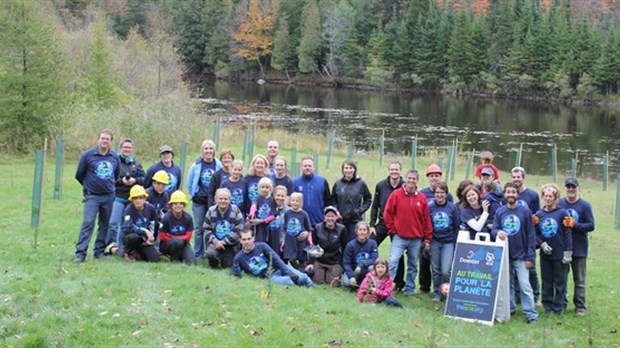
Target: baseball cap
166,148
571,181
487,171
330,208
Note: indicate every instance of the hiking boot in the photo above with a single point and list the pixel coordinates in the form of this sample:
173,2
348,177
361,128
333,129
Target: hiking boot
78,259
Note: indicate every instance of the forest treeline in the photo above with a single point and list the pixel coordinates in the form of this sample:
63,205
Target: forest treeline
104,54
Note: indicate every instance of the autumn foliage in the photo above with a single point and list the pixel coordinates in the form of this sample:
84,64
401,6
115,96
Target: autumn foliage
254,36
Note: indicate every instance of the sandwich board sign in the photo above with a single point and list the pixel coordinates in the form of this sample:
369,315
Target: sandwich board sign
479,282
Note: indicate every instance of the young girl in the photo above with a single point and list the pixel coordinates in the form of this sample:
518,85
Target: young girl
263,211
280,195
296,231
176,231
377,285
486,160
554,234
237,186
281,175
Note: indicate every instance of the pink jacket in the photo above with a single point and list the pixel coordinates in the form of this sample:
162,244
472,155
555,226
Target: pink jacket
383,288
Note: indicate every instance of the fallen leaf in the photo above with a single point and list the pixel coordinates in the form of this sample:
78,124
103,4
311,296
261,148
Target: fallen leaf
365,334
116,315
254,333
334,343
264,294
103,313
136,333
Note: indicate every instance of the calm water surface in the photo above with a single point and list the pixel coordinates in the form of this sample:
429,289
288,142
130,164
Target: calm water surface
360,117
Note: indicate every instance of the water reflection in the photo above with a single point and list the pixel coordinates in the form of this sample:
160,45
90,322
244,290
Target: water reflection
501,126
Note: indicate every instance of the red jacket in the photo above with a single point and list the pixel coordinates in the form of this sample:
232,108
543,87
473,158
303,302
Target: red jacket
407,215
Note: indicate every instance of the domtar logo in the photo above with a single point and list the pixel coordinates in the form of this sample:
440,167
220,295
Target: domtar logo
441,220
293,227
104,170
549,227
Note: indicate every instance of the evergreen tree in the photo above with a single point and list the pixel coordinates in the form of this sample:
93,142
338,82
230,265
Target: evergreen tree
607,68
337,23
217,21
501,22
431,49
188,24
132,16
284,56
101,81
311,42
32,91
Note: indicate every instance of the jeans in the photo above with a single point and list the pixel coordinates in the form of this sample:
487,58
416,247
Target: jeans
519,272
382,233
390,301
397,249
115,231
441,260
94,205
199,210
554,278
278,278
579,278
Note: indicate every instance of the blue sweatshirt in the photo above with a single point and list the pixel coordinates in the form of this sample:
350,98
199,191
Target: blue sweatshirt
550,229
517,223
256,262
160,202
581,211
285,181
134,221
316,195
174,175
98,173
360,255
239,194
529,198
446,220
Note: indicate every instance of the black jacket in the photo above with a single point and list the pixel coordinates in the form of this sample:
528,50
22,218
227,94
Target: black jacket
352,198
383,190
333,241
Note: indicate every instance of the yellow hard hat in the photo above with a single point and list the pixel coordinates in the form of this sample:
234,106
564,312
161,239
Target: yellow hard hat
161,177
178,197
137,191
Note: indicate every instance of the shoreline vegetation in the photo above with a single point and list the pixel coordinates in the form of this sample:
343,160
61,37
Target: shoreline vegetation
65,58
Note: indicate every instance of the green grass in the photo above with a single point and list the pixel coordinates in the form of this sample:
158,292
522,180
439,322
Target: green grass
45,300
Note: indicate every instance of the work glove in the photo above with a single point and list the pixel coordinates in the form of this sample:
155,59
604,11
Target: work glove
568,257
546,248
357,271
353,282
569,222
535,219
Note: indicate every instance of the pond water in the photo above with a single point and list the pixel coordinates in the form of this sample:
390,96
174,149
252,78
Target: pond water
501,126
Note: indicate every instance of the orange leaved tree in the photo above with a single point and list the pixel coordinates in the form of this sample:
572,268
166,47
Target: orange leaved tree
253,40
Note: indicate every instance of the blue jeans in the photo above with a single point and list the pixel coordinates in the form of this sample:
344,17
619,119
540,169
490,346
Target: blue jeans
199,210
115,232
519,272
441,261
94,205
278,278
397,249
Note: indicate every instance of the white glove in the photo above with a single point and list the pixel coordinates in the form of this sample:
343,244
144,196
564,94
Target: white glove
546,248
357,271
568,257
352,282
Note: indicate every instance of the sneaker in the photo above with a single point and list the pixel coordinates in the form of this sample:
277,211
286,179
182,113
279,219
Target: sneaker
532,321
580,312
408,293
110,249
78,259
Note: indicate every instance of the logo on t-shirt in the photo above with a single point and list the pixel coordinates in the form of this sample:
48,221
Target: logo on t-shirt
441,220
548,227
574,214
205,177
361,258
293,227
236,197
172,184
511,224
263,211
104,170
177,230
253,191
222,229
257,265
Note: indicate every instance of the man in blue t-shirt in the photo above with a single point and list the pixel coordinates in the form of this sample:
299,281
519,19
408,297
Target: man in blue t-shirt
97,172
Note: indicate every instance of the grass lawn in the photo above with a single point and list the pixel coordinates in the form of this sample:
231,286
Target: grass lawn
46,300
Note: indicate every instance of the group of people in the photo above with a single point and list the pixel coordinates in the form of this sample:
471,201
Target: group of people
300,231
